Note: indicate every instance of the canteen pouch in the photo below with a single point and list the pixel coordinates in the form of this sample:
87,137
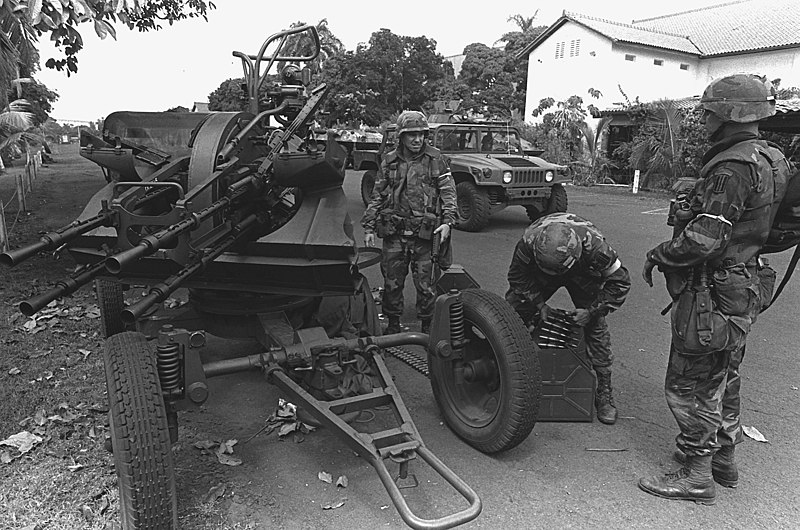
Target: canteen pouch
736,290
697,328
427,226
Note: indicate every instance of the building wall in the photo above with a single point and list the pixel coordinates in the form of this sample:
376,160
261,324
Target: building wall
574,59
783,64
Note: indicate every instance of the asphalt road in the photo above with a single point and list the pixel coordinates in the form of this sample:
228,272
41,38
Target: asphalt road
557,478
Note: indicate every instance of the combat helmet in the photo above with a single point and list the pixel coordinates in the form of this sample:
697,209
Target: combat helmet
741,98
556,248
411,121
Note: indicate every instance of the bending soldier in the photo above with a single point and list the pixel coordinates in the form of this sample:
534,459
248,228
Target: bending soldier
711,266
563,250
414,179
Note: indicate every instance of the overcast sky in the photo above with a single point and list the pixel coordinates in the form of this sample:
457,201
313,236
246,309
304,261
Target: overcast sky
184,63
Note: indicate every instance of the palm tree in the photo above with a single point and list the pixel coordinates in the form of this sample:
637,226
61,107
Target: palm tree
594,146
658,151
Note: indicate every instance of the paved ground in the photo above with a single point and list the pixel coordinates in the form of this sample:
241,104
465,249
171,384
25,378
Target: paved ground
554,479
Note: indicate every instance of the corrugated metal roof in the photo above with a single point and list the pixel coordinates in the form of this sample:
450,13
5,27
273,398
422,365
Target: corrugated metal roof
782,106
734,27
632,34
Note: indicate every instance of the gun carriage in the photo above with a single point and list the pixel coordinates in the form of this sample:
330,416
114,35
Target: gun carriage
251,218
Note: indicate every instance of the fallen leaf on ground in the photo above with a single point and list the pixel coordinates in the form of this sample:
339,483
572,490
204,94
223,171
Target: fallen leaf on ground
23,441
228,460
754,433
287,428
227,447
14,371
214,493
85,353
325,477
205,444
5,457
335,505
342,481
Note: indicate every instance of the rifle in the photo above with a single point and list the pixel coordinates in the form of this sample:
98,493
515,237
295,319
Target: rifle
437,241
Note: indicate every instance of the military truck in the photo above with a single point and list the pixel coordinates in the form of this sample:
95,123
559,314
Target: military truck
491,169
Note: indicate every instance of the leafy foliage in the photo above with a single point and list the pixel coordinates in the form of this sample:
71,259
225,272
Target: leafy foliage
229,96
23,21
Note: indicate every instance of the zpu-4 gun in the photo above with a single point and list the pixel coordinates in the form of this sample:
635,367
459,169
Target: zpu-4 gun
250,217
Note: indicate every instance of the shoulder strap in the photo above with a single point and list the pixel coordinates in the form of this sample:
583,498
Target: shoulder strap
786,276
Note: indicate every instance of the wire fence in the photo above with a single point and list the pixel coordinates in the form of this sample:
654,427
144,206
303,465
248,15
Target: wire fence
24,178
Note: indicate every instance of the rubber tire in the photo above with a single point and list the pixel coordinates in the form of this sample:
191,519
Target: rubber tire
475,202
558,200
367,185
139,434
519,376
111,300
535,211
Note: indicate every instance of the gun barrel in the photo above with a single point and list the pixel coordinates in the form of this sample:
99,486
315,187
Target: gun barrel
63,287
159,293
53,240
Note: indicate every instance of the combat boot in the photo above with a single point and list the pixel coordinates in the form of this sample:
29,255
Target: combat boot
723,468
604,400
425,326
692,482
394,325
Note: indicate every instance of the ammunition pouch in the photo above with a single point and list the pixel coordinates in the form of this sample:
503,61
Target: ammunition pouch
427,225
736,290
386,225
700,325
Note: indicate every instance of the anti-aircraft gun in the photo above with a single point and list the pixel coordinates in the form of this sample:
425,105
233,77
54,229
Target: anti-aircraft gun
253,223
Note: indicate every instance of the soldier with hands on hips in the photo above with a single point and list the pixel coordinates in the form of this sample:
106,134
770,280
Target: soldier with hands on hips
414,200
564,250
712,266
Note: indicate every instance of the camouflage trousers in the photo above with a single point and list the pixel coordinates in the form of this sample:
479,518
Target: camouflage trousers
400,253
703,394
582,291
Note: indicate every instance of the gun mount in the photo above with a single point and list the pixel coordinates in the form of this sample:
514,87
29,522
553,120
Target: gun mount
252,220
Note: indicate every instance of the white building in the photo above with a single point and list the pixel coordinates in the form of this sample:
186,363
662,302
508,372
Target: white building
671,56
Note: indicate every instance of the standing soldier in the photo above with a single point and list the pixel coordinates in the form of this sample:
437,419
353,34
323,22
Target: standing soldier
414,183
563,250
715,255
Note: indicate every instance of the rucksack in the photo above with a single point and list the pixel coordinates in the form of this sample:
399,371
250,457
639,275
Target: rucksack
784,232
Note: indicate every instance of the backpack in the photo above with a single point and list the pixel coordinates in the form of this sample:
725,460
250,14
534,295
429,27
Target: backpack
785,229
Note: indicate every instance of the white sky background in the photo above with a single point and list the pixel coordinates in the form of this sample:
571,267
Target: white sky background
184,63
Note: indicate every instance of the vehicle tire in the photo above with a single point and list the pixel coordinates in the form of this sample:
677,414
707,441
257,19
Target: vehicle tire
497,410
535,211
367,185
111,300
139,434
473,207
558,199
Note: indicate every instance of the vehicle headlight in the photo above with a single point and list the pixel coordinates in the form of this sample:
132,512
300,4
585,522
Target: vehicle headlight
487,173
548,177
507,177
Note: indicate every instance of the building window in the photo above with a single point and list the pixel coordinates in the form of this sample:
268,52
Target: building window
574,48
629,57
684,66
658,62
560,50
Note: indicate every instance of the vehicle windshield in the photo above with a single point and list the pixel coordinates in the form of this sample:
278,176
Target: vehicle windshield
501,141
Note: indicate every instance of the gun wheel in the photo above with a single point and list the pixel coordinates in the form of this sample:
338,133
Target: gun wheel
367,185
490,396
139,434
111,300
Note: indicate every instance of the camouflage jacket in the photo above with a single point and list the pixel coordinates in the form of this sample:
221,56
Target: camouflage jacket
598,264
409,186
732,206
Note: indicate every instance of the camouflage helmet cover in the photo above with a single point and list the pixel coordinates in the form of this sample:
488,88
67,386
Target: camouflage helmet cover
742,98
411,121
556,248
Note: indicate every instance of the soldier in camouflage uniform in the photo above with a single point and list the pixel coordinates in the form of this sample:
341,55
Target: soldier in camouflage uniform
563,250
403,212
731,210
